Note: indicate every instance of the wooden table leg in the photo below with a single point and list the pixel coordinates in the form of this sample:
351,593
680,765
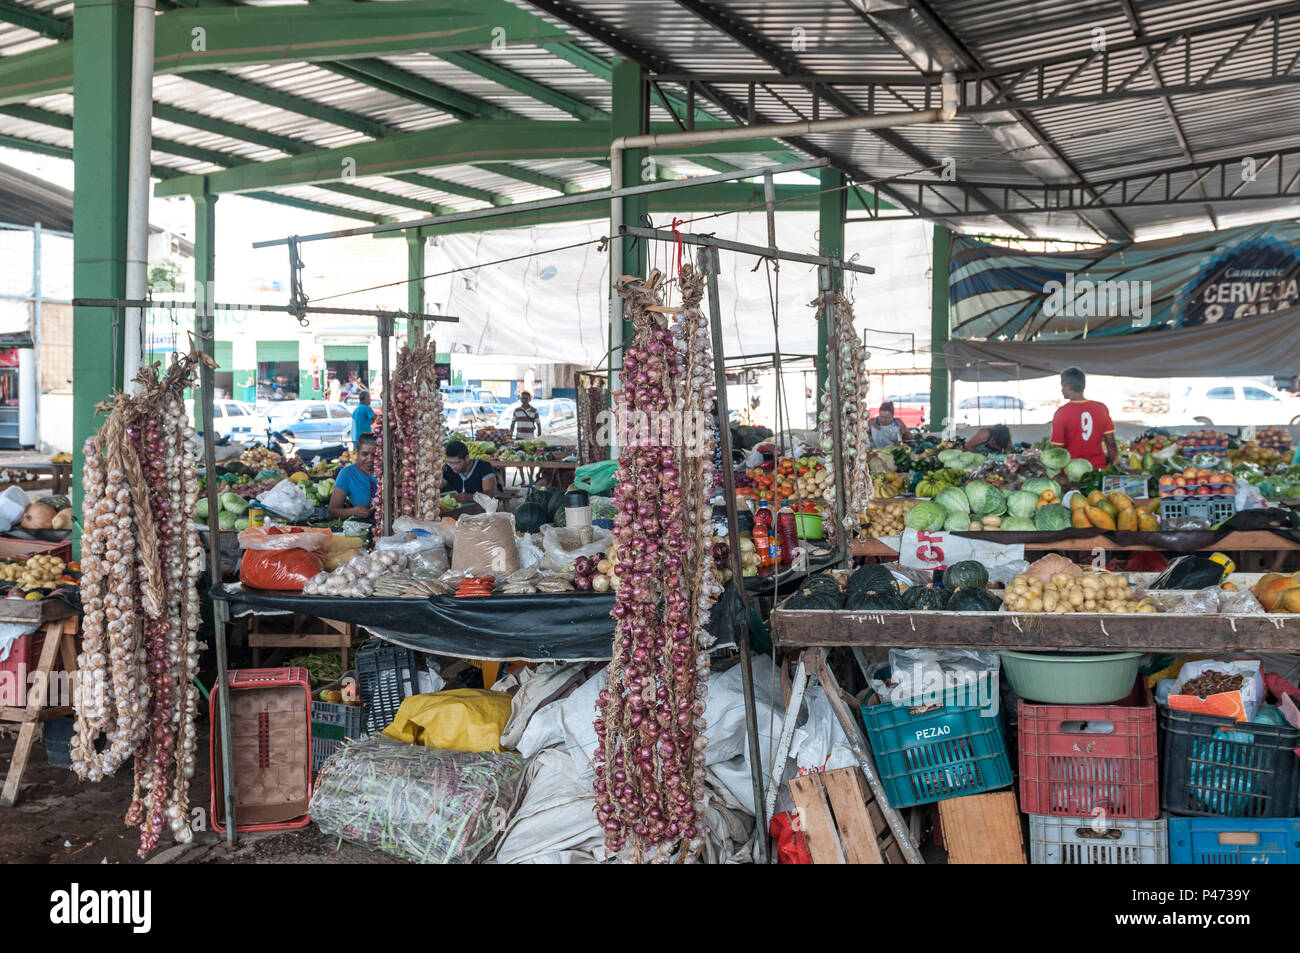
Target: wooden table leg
35,702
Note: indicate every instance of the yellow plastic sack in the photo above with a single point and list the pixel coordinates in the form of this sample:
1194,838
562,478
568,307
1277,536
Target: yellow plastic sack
461,719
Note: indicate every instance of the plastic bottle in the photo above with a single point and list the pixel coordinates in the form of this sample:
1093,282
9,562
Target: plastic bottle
787,529
764,536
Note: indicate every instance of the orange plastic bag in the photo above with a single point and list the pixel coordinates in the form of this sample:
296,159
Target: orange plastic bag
1241,705
279,570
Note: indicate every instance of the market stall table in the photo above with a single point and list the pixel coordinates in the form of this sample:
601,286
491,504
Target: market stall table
58,622
548,627
1261,540
551,470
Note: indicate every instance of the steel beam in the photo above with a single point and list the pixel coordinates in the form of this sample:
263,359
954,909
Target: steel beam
407,85
213,37
29,19
415,246
482,66
940,405
832,206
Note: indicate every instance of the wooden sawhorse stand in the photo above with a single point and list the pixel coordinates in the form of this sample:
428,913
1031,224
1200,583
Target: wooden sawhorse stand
60,637
337,635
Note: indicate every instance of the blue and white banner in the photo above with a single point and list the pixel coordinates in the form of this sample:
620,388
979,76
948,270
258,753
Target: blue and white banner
1185,282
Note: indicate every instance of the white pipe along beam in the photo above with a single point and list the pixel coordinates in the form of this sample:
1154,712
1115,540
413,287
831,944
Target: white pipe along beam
137,211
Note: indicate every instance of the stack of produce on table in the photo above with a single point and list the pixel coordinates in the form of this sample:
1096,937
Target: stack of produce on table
885,518
888,485
1197,482
47,512
806,478
934,482
37,576
1278,592
872,588
141,561
1277,439
1054,584
500,436
846,352
481,449
1203,441
414,410
1111,511
531,451
649,762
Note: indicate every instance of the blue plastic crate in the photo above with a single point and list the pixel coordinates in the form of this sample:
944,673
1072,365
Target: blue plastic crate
926,755
1227,840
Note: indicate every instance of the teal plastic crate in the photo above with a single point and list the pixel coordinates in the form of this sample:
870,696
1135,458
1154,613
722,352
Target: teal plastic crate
1229,840
924,755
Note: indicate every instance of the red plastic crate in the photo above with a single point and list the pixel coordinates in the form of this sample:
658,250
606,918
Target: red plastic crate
23,657
271,734
1081,760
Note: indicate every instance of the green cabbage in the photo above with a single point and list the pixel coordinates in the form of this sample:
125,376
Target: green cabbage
201,508
1018,524
925,516
954,501
1036,486
985,499
232,503
226,519
1021,504
957,522
1052,517
1055,458
1076,468
946,457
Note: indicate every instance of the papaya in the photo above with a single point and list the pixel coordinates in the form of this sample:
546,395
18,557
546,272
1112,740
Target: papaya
1147,523
1121,501
1127,520
1290,601
1107,507
1264,580
1100,518
1079,518
1096,496
1078,501
1148,461
1270,597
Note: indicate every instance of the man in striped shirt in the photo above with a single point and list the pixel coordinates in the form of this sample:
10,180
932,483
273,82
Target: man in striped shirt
527,422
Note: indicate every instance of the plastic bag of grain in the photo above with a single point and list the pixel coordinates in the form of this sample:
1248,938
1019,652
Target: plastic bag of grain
486,545
425,805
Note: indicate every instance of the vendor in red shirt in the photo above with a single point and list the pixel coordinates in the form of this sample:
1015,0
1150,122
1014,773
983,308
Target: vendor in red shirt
1083,427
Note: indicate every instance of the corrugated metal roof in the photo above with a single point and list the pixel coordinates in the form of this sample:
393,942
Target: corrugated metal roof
1101,141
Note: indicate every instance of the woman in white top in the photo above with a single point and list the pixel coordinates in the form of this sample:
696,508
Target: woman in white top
885,430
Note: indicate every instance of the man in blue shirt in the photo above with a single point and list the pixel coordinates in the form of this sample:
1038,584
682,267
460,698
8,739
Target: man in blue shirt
363,417
355,486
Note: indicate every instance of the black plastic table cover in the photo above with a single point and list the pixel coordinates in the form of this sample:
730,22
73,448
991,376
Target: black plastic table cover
566,626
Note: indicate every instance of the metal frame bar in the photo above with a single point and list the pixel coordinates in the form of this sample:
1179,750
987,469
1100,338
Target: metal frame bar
758,251
558,202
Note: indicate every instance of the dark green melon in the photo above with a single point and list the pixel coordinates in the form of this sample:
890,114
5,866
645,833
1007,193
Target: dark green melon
974,600
869,600
872,576
926,597
967,574
807,599
822,582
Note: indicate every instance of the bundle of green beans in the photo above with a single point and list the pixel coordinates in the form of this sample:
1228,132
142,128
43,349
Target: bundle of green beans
425,805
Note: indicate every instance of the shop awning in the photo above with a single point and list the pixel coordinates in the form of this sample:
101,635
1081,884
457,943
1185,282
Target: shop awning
1244,347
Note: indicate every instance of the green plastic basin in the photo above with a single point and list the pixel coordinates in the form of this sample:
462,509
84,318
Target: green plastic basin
809,525
1071,679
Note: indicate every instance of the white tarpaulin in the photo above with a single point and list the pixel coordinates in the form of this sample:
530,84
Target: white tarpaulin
555,305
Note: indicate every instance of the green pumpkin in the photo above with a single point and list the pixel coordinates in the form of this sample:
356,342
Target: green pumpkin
822,582
869,600
967,574
974,600
926,597
529,517
872,576
807,599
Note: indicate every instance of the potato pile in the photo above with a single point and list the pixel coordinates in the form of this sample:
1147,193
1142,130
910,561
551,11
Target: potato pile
1067,592
884,519
39,570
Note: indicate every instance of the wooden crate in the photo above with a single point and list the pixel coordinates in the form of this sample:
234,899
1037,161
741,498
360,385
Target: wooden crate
982,829
840,820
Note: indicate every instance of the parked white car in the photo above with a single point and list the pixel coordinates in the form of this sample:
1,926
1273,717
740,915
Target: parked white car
1227,402
559,416
989,410
467,417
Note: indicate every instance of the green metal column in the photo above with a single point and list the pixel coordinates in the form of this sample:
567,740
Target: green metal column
415,284
940,399
101,69
205,255
631,118
831,211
